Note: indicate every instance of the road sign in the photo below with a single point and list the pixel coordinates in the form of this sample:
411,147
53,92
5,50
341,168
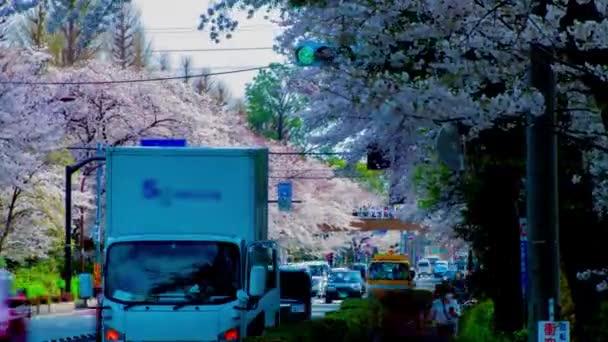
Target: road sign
523,248
163,142
550,331
285,195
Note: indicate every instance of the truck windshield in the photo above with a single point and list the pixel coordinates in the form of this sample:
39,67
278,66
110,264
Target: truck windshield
172,271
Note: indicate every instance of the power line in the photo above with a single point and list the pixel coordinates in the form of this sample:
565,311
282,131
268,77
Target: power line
315,177
215,50
141,80
196,29
85,148
178,70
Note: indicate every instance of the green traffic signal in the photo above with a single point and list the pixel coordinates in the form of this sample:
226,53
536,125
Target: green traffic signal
319,54
306,55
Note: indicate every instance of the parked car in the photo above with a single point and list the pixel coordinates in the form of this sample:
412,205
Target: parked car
344,284
295,294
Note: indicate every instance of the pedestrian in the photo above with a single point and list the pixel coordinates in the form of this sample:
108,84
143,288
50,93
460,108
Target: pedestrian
460,286
445,312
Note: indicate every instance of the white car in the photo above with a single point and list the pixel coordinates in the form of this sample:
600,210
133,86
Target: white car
424,268
318,270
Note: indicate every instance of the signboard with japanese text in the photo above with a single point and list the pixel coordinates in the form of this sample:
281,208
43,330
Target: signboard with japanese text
523,247
553,331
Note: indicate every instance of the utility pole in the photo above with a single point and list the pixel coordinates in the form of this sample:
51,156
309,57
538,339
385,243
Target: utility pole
542,197
280,124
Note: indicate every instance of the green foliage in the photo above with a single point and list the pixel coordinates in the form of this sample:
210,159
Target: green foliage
476,325
271,105
372,180
597,331
429,180
42,279
355,321
566,301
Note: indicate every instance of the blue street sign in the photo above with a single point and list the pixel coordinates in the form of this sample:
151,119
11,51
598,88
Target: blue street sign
163,142
285,195
523,248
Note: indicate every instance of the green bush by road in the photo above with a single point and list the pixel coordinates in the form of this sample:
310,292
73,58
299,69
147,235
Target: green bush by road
42,281
355,321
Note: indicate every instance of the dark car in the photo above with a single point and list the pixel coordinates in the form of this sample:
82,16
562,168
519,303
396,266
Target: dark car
449,275
344,284
295,294
361,268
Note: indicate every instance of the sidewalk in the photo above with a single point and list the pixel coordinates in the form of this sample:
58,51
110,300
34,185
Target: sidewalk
60,308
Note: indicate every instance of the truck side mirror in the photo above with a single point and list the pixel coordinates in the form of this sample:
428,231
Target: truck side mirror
257,281
85,286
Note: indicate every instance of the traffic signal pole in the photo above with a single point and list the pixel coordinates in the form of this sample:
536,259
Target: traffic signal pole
69,171
542,198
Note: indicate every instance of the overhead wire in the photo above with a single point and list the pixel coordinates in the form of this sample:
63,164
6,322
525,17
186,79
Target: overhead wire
215,50
126,81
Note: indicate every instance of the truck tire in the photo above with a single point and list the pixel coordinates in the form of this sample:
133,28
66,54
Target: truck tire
256,327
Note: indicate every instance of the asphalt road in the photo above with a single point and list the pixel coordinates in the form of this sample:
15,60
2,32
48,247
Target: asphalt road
319,308
55,327
79,323
427,283
61,326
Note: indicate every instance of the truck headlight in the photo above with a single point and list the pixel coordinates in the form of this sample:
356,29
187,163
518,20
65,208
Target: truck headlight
232,335
113,335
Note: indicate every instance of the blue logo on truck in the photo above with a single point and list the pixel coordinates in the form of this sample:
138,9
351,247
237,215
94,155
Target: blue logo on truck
151,190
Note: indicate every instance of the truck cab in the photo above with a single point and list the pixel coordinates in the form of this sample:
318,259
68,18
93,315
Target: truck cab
186,252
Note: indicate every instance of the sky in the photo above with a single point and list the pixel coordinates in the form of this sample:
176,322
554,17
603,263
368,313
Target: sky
171,25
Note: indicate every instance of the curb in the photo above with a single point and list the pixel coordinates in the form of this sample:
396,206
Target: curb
77,312
79,338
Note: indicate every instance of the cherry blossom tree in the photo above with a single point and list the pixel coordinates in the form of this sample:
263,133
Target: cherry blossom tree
114,115
419,64
29,134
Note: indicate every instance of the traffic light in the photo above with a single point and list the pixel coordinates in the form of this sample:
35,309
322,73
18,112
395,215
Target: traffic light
310,53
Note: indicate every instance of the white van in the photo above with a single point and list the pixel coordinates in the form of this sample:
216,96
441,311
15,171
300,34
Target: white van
424,267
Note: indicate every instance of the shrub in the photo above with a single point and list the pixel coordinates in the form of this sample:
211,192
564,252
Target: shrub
42,281
477,325
355,321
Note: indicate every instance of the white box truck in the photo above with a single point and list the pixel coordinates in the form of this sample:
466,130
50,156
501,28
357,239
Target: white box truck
186,249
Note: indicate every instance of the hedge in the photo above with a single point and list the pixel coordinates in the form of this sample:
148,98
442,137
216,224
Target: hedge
355,321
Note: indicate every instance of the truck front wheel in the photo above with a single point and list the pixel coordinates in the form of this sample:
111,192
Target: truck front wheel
256,327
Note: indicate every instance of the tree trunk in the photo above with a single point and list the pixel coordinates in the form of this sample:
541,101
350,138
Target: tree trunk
9,216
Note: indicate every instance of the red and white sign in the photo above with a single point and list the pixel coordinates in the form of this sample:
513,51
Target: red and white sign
554,331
